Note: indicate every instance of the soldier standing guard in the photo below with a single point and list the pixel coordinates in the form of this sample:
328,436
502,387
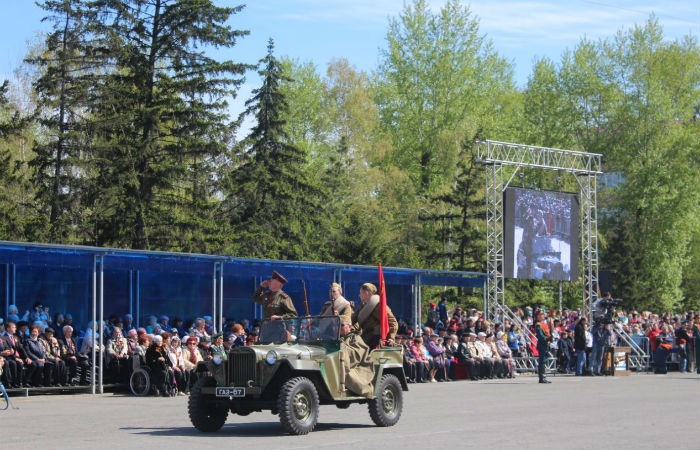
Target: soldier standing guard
276,303
544,337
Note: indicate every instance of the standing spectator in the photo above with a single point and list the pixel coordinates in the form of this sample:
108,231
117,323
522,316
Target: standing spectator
128,323
696,342
601,341
580,345
682,339
564,352
12,314
514,340
198,330
433,316
442,311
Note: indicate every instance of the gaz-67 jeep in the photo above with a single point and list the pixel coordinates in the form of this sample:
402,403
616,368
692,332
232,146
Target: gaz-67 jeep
296,366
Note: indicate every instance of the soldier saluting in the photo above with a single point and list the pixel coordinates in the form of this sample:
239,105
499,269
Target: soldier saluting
275,302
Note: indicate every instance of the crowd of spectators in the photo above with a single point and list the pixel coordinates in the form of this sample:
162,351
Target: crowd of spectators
40,350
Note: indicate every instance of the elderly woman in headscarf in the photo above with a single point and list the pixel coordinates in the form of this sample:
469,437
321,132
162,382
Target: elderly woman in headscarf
177,360
159,363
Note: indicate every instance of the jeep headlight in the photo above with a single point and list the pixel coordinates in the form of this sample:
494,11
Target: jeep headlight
217,360
271,357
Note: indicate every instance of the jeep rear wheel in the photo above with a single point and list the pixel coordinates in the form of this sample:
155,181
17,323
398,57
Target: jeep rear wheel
298,406
385,409
206,413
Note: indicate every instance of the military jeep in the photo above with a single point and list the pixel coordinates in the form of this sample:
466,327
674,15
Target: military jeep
296,366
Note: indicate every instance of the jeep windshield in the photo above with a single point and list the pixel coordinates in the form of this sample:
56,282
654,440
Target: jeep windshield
300,329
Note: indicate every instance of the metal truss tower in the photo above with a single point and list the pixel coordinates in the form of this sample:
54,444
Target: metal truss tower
585,166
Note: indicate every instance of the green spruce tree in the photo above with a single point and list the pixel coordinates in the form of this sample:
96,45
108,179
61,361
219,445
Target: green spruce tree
270,201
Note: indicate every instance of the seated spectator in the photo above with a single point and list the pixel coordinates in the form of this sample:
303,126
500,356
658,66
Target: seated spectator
128,323
478,349
132,341
251,339
117,353
500,365
465,356
53,358
191,357
198,330
38,371
182,375
205,348
421,354
159,363
16,358
505,354
12,314
71,357
239,336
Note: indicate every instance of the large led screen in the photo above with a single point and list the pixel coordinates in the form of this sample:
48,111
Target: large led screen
541,235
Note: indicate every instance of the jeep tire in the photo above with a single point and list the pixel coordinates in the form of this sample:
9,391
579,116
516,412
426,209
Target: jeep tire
206,413
298,406
385,409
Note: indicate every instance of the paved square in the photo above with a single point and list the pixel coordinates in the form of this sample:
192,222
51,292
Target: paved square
635,412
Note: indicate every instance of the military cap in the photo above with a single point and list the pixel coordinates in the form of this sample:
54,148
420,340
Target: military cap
472,334
49,330
217,336
369,287
278,277
481,334
205,339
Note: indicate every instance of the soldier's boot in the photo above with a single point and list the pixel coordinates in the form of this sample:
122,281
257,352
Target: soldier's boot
540,372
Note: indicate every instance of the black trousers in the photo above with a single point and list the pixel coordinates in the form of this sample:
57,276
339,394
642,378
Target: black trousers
696,344
182,380
542,363
12,374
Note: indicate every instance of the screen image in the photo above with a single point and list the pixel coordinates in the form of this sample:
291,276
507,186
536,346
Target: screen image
541,235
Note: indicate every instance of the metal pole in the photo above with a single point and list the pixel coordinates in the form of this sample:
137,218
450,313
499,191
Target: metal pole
138,299
94,319
14,284
102,320
7,289
485,294
420,304
213,299
560,296
221,296
131,293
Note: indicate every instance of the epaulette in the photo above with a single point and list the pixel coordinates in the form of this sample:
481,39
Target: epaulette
284,294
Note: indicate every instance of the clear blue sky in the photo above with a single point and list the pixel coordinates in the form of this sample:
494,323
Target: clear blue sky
321,30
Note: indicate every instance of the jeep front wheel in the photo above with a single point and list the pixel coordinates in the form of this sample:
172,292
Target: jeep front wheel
385,409
298,406
206,413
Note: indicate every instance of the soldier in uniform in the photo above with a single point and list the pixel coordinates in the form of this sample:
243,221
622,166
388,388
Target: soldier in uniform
544,337
276,303
337,305
366,318
356,363
696,342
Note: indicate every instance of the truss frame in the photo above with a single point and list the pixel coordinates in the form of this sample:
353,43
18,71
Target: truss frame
585,166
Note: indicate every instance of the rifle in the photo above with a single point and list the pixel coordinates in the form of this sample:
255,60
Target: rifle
306,298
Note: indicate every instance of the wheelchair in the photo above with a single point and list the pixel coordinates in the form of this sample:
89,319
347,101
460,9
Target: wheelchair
140,379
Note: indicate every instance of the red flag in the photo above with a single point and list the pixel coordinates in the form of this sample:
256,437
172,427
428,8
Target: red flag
383,316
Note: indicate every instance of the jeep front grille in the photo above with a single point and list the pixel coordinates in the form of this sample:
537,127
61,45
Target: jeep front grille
241,368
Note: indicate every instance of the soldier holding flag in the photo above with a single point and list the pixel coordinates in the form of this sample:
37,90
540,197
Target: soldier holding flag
372,313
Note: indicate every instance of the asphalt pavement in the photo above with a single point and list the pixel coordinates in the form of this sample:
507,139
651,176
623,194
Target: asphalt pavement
633,412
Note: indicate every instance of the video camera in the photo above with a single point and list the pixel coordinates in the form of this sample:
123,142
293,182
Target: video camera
603,310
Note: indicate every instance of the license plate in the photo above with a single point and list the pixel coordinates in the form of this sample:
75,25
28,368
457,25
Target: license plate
230,392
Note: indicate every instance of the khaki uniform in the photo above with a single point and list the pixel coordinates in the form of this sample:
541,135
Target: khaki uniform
345,313
275,303
357,365
371,328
